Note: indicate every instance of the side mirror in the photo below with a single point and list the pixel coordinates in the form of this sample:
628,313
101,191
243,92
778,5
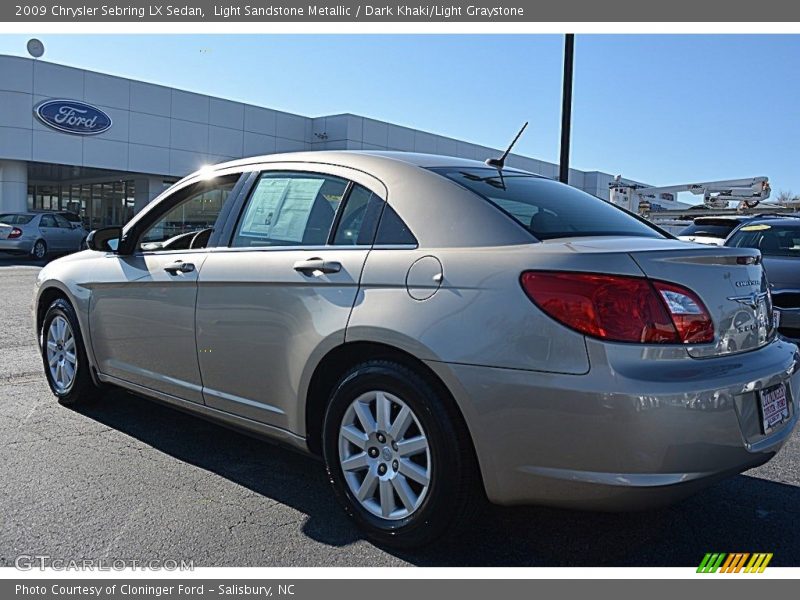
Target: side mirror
105,239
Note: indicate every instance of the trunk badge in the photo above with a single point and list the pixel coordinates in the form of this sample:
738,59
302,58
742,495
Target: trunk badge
751,300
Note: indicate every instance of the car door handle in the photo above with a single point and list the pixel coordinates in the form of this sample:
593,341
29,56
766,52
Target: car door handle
179,267
312,265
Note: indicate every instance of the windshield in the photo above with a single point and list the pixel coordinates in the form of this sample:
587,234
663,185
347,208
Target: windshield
772,240
15,219
549,209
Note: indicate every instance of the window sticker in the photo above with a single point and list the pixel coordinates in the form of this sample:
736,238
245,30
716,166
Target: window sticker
755,227
279,208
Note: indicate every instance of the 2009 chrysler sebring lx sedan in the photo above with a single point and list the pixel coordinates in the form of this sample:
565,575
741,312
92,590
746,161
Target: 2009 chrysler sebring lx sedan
439,331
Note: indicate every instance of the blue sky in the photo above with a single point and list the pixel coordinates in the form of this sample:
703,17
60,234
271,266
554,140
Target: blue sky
662,108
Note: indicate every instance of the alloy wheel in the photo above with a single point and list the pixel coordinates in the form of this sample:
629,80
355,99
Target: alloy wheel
384,455
62,358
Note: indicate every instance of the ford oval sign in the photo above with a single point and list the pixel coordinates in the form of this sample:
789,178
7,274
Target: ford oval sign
72,116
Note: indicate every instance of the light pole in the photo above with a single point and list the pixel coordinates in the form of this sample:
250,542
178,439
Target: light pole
566,107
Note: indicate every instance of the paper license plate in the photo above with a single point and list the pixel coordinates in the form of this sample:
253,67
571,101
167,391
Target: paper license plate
774,406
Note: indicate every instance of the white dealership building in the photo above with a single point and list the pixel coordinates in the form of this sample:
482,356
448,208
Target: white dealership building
104,146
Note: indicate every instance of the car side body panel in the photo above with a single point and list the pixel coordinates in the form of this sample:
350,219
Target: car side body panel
259,321
143,319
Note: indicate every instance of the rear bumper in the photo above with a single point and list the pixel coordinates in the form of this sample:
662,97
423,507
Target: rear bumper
644,427
19,246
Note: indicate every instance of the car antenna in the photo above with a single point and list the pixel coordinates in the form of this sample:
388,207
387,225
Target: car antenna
499,163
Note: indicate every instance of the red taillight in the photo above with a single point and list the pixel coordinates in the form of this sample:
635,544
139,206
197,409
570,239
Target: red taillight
15,233
619,308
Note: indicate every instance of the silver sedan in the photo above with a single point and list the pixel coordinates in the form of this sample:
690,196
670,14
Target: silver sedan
37,234
438,330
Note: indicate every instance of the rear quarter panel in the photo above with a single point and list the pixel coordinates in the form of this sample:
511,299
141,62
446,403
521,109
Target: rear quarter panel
479,315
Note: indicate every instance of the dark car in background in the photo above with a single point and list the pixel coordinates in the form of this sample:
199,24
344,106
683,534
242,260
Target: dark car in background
778,238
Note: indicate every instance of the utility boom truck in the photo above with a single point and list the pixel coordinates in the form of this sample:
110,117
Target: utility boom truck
747,193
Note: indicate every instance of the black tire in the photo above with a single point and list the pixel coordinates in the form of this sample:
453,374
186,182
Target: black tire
83,388
454,494
38,254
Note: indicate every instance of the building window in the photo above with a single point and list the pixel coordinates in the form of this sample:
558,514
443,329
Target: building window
98,204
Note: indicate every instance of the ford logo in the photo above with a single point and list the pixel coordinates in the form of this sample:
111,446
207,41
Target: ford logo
72,116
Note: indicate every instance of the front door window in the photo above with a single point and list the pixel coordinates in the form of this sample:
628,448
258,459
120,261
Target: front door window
190,222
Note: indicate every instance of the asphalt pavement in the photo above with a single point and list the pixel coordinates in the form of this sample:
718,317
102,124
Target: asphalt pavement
126,478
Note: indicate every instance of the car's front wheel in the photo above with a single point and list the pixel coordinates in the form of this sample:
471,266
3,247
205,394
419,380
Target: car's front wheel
399,456
64,355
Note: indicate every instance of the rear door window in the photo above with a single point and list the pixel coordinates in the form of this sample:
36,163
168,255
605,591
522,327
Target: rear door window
48,221
549,209
62,222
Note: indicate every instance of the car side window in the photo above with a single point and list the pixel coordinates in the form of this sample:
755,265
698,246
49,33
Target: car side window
47,221
190,222
359,218
62,222
290,209
392,231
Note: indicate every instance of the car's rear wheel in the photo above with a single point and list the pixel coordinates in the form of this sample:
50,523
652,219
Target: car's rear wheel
399,456
64,355
39,250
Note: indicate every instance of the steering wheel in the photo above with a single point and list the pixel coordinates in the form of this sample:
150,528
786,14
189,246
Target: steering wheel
200,239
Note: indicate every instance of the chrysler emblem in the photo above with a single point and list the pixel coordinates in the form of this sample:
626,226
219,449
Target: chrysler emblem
751,300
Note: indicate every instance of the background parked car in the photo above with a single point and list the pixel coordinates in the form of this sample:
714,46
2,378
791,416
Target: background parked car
778,238
39,233
712,230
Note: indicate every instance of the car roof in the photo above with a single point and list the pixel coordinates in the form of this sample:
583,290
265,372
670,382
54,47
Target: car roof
359,159
408,177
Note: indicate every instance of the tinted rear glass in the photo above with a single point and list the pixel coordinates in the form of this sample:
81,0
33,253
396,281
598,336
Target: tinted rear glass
15,219
549,209
718,228
772,240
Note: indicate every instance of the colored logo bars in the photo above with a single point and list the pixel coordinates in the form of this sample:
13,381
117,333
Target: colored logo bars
734,563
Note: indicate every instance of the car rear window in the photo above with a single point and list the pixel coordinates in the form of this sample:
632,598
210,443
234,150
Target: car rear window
15,219
718,228
772,240
549,209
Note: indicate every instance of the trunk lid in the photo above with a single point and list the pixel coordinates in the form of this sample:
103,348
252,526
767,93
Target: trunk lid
730,282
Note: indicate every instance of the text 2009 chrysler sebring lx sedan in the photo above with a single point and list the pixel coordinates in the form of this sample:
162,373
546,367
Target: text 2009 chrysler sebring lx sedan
434,328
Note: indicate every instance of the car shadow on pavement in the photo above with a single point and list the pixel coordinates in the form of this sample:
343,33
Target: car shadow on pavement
742,514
